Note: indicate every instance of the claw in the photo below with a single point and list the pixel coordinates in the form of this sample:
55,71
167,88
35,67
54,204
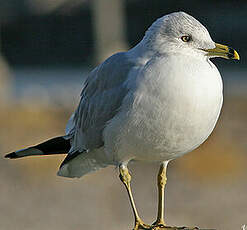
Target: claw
139,224
160,226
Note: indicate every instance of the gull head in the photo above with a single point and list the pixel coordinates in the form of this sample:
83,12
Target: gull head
181,33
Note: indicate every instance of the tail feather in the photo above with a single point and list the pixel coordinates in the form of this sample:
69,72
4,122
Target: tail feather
81,163
12,155
55,145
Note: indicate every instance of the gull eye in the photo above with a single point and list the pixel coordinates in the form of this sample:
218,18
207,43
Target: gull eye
186,38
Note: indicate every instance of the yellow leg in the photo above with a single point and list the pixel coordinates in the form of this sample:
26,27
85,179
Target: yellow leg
161,191
159,224
125,177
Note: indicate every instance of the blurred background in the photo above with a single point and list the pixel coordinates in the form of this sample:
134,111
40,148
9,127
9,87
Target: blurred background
47,47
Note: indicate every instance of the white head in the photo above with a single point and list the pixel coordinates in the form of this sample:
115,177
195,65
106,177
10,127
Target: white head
181,33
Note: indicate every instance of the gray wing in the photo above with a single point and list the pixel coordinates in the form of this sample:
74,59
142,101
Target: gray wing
101,99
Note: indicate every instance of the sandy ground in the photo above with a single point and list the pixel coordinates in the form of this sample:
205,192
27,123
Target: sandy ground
206,188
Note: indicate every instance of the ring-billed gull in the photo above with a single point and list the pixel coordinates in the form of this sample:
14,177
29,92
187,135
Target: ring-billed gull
155,102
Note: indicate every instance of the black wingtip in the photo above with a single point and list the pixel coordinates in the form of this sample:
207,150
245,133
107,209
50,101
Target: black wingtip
12,155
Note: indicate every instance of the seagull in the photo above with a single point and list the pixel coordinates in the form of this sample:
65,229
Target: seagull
154,103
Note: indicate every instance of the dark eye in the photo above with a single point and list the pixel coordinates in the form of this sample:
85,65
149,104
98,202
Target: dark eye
186,38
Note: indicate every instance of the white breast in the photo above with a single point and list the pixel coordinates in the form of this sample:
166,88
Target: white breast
172,110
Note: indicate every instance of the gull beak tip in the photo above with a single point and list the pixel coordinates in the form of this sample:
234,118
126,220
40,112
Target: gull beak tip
233,54
236,55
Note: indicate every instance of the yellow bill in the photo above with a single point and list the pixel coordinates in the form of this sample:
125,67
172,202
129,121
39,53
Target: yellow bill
223,51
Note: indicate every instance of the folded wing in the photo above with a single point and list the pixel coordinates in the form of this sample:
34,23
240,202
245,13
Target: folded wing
101,98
